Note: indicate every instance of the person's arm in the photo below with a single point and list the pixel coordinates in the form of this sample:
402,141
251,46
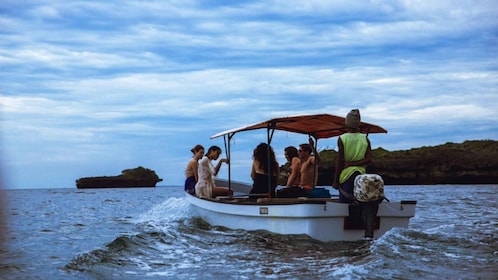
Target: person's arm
294,171
204,168
364,161
195,170
218,166
277,174
339,165
316,157
253,170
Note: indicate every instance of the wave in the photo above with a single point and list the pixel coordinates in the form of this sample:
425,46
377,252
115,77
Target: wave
432,252
171,242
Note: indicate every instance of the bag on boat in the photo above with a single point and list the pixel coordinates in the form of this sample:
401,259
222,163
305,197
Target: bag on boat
368,187
292,192
319,193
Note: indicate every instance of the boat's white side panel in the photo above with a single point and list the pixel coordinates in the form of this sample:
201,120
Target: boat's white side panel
395,214
324,222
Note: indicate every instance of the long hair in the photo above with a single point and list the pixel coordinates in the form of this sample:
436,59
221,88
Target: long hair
196,148
213,149
261,155
291,152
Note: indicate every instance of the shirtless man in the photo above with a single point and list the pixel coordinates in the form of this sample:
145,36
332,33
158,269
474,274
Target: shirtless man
308,165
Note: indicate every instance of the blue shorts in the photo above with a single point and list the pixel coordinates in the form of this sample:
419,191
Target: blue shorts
190,185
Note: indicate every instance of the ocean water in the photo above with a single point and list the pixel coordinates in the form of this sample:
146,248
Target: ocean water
151,234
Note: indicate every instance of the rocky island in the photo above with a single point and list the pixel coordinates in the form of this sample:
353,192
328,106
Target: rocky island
470,162
139,177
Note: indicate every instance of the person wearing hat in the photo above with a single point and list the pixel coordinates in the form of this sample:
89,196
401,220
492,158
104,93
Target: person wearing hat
353,156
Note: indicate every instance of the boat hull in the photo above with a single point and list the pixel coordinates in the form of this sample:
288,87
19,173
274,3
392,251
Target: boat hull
321,219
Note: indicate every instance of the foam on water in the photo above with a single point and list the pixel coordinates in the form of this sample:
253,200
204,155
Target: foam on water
136,234
173,243
171,210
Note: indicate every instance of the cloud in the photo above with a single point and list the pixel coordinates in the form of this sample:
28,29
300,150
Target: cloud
92,87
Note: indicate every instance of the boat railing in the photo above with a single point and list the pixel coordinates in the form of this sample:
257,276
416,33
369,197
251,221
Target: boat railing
270,201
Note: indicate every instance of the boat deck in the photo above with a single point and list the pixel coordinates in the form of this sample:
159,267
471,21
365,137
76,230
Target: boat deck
251,200
247,200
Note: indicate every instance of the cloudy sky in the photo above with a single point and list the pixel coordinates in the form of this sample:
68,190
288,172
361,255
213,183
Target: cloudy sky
89,88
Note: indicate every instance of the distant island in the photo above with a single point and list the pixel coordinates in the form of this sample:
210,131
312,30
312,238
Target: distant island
471,162
139,177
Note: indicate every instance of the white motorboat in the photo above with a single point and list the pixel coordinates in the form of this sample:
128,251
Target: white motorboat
323,219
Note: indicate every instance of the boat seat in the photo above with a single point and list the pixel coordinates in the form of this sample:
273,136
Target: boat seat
278,200
319,199
296,200
223,197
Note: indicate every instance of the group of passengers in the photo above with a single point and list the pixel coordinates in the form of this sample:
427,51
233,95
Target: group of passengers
353,156
302,174
200,173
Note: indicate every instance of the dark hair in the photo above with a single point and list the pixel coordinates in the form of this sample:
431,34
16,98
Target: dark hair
261,155
306,147
196,148
213,149
291,152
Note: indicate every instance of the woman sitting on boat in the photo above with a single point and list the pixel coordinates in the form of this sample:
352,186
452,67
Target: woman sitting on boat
191,171
259,170
294,174
206,186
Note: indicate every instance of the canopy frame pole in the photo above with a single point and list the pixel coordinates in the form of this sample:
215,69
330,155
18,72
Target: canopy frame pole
315,164
269,135
227,139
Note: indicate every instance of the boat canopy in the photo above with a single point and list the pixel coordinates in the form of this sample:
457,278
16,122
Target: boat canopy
319,126
316,126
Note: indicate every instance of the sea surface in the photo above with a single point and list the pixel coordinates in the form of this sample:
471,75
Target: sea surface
150,233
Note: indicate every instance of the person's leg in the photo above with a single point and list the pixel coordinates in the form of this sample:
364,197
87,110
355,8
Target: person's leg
347,188
221,191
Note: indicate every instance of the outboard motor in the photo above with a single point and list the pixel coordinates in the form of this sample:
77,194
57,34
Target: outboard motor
369,192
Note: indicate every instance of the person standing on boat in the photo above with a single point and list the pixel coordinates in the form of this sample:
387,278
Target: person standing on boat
309,165
294,174
353,156
206,186
191,171
264,155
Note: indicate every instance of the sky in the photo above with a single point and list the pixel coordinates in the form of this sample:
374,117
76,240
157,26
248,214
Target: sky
89,88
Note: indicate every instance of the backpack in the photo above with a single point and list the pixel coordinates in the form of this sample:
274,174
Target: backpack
292,192
319,193
368,187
